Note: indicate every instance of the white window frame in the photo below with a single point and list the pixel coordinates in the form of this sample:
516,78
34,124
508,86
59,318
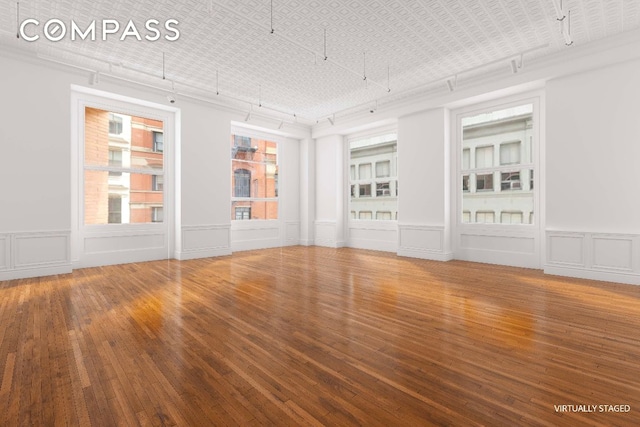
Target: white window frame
81,98
485,232
279,140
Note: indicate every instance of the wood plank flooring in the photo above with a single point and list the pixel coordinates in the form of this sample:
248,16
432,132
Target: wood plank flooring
317,336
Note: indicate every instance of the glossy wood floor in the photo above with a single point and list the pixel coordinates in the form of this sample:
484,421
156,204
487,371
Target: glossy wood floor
317,336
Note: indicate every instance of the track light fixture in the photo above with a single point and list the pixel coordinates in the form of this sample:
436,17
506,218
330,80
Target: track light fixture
516,64
248,117
332,120
452,83
565,21
94,78
18,20
281,124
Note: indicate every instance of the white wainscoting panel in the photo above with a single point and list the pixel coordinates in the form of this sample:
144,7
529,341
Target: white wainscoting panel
374,235
567,249
422,241
292,233
204,241
517,246
599,256
34,254
250,235
5,252
611,252
326,233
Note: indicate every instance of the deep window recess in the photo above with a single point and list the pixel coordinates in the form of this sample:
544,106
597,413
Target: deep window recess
123,173
497,167
254,168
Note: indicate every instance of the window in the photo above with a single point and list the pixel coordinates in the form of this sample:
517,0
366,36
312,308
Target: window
254,165
466,153
382,189
510,153
485,217
115,124
373,177
157,183
243,213
158,142
382,215
241,185
465,183
510,181
157,214
496,165
365,190
123,180
484,182
365,171
511,217
383,169
484,157
115,210
364,215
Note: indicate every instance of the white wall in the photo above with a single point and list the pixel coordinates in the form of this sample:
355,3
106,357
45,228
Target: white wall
330,191
35,169
423,178
35,208
592,162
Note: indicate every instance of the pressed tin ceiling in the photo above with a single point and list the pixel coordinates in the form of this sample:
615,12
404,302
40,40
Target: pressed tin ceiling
401,45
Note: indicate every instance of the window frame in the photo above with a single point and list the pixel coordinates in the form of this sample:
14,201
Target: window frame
382,182
498,169
242,138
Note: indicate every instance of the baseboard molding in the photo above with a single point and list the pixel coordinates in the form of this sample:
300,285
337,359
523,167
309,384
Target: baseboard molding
202,253
426,254
604,276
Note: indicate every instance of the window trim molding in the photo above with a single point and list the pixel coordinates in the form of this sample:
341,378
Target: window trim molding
83,97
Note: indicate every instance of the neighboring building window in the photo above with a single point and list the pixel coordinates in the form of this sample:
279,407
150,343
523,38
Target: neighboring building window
115,210
365,190
353,214
484,182
157,214
385,216
484,157
158,142
485,217
115,124
254,165
243,213
373,177
510,153
157,183
120,169
511,218
242,183
510,181
497,145
383,169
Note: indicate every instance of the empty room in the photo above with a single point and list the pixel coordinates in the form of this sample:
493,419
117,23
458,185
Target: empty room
278,212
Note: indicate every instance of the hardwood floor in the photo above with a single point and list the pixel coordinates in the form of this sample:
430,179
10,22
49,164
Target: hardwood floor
317,336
